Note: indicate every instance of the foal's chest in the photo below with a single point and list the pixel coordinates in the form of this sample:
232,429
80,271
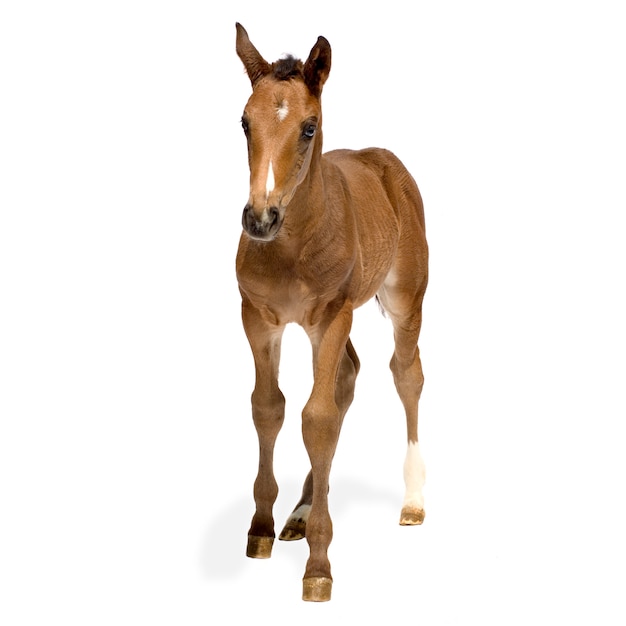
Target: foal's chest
283,292
281,303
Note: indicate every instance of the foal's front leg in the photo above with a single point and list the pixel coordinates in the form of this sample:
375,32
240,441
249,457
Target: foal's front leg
268,413
321,422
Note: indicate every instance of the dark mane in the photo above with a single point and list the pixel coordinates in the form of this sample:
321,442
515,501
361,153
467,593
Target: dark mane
286,68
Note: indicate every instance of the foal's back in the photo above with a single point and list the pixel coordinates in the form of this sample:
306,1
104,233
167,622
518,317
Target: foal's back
377,166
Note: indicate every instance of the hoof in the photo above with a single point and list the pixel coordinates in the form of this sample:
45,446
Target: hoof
259,547
411,516
294,529
317,589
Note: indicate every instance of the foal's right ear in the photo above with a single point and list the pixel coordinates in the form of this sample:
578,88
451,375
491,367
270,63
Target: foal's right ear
256,66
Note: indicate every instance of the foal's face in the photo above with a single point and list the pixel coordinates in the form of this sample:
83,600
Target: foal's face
281,122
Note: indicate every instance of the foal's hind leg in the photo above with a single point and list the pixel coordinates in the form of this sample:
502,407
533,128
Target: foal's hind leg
268,412
295,527
408,377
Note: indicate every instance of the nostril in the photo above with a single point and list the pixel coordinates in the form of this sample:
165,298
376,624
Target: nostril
247,217
273,215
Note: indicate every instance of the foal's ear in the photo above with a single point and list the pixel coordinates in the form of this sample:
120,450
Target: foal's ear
317,66
256,66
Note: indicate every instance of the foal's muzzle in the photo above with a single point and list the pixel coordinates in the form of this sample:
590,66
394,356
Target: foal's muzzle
263,228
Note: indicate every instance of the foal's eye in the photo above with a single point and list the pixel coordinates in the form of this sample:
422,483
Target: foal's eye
244,125
308,132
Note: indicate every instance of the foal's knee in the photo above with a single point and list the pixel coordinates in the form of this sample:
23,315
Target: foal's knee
320,427
268,410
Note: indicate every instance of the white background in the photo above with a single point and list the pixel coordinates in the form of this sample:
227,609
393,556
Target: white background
127,451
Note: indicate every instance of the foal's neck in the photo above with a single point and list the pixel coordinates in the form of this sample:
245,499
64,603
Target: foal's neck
306,210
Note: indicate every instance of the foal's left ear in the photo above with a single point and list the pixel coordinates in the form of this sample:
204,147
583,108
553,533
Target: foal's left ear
317,66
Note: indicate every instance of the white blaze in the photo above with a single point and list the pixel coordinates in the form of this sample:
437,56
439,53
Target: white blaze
269,184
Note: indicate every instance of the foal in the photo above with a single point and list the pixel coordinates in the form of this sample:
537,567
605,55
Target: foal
323,234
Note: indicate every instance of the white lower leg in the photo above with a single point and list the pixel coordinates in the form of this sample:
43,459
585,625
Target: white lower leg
414,477
301,514
295,527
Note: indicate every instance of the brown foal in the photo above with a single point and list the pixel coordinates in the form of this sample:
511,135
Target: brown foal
322,235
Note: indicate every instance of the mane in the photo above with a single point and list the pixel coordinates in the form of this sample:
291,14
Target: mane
286,68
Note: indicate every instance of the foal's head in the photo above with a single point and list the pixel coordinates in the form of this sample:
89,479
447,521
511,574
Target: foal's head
282,123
